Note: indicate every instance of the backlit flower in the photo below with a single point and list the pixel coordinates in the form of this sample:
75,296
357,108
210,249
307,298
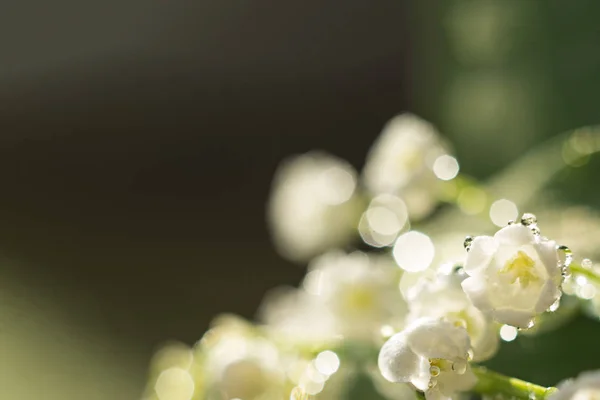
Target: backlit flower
313,205
430,354
401,162
514,275
443,298
585,387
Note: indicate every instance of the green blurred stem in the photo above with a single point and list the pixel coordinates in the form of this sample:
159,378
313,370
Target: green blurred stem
588,273
492,383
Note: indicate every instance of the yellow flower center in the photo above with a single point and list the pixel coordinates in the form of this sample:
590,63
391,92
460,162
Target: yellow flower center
522,268
360,299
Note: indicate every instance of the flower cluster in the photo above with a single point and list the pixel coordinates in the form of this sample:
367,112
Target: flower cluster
393,302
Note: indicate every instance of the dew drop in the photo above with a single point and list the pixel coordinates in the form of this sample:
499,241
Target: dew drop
586,263
432,383
434,370
567,255
554,305
535,230
460,367
467,243
531,324
511,222
470,354
528,219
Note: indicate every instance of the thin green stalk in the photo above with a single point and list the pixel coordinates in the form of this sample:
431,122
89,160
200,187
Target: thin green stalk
588,273
493,383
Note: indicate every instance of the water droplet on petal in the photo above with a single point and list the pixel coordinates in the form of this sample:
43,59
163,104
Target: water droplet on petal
586,263
554,305
531,324
434,370
467,243
567,255
460,367
528,219
470,354
432,384
535,230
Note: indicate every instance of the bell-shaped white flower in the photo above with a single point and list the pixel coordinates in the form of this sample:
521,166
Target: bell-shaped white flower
360,290
343,295
402,160
237,362
443,298
514,275
432,355
585,387
313,205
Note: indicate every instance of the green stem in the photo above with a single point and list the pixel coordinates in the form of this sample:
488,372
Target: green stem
588,273
493,383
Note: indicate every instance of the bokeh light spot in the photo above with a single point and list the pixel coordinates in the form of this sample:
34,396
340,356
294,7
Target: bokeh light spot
174,384
414,251
502,211
327,362
508,333
446,167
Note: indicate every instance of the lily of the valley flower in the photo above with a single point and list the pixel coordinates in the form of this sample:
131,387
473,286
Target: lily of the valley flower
236,362
585,387
430,354
313,205
401,162
443,298
514,275
343,295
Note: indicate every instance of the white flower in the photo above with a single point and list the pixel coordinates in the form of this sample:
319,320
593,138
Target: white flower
401,162
443,298
295,316
350,295
514,275
360,291
585,387
238,363
313,205
430,354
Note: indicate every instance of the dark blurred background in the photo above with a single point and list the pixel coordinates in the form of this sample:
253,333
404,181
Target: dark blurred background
138,140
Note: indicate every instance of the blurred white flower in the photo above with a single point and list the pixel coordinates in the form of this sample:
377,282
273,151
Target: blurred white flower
343,295
443,298
294,316
173,375
360,291
402,160
313,205
238,363
514,275
585,387
430,354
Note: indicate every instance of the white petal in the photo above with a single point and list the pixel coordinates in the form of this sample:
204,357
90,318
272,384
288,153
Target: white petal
438,339
550,292
477,291
514,235
397,362
452,382
436,394
567,390
547,252
487,347
517,318
480,254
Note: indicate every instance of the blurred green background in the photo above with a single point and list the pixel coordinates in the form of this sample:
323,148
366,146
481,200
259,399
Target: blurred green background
138,140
